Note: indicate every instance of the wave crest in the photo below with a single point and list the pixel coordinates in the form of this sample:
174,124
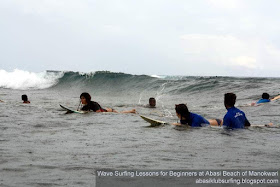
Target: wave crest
22,80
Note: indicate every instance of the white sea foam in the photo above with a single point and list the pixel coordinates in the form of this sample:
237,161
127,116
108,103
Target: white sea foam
158,76
19,79
89,74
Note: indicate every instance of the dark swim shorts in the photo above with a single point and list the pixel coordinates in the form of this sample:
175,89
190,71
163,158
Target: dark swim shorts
219,121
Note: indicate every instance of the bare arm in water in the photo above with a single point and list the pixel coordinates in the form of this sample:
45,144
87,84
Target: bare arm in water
113,110
275,98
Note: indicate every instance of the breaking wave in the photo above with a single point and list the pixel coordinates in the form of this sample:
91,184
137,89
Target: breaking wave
22,80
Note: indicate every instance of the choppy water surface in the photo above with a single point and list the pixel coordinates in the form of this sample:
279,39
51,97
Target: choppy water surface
41,146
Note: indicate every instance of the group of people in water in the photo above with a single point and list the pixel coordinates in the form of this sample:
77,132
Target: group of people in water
234,118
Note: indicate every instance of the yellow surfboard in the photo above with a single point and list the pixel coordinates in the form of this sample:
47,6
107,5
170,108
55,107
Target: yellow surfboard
153,122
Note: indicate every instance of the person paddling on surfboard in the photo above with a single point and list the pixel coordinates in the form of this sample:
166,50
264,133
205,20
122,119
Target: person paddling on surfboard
265,99
234,118
94,106
192,119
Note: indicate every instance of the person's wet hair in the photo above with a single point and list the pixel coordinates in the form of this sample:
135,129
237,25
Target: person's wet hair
183,110
230,99
24,97
86,96
152,99
265,96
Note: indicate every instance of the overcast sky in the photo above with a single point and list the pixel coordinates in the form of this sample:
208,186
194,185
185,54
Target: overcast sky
162,37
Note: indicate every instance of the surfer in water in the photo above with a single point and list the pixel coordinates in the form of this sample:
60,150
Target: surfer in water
265,99
192,119
152,103
234,117
95,107
25,99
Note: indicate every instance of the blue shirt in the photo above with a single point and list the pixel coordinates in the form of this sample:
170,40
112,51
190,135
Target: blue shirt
197,120
234,118
263,101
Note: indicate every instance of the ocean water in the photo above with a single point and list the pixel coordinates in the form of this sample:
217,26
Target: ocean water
40,145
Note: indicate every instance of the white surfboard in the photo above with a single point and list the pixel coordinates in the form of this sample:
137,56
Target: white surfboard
153,122
73,111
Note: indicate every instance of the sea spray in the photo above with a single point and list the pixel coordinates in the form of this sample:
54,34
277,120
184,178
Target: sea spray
22,80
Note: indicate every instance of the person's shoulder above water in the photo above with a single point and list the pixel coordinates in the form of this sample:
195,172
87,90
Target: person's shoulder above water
94,106
263,101
91,105
233,110
234,118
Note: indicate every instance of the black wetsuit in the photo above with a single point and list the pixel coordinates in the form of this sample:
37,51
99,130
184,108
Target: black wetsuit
94,106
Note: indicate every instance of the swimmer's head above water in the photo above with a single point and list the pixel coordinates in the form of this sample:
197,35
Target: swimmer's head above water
265,96
25,99
152,102
85,98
